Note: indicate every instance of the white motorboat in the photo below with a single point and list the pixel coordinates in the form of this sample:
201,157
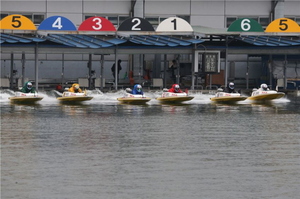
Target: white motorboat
25,97
129,98
169,97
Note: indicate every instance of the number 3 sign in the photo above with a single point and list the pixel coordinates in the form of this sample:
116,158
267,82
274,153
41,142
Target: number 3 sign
96,24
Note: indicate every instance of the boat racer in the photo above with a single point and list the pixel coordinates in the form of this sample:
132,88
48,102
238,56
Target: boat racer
27,88
175,89
75,89
263,87
230,88
137,90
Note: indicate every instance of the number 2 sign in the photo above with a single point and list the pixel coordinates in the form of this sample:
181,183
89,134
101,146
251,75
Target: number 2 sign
136,24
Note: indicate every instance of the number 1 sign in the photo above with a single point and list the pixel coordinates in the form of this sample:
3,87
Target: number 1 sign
174,24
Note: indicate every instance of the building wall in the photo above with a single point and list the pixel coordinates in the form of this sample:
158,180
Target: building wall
210,13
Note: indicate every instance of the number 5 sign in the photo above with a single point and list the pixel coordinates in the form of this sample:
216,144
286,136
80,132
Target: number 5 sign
17,22
283,25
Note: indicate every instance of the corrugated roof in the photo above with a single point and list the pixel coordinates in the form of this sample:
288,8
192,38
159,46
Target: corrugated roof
270,40
157,40
84,41
8,38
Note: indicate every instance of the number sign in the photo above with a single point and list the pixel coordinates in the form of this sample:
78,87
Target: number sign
136,24
17,22
57,23
283,25
174,24
245,25
96,24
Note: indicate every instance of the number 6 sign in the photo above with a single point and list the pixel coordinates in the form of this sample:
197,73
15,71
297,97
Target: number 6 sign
245,25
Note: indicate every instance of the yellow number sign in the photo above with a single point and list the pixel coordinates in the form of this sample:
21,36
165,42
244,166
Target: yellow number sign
283,25
17,22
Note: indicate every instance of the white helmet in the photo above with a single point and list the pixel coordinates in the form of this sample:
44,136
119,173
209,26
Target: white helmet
264,86
176,87
29,85
139,87
231,85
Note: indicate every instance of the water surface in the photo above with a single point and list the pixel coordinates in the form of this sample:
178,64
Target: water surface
102,149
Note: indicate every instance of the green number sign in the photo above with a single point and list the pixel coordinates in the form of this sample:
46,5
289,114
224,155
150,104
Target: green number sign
245,25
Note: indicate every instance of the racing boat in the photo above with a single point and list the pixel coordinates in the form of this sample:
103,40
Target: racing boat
265,95
25,97
169,97
74,97
129,98
224,97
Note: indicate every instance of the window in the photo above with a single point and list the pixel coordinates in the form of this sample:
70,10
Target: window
153,20
298,20
263,21
34,17
185,17
3,15
114,19
122,19
229,21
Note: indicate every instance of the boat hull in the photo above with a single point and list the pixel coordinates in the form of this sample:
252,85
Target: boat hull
133,100
74,99
25,99
174,99
228,99
267,96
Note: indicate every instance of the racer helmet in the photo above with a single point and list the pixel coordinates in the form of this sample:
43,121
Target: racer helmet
264,86
231,85
139,87
176,87
29,85
76,86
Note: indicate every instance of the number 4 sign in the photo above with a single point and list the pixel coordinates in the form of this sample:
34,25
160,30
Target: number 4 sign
57,23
